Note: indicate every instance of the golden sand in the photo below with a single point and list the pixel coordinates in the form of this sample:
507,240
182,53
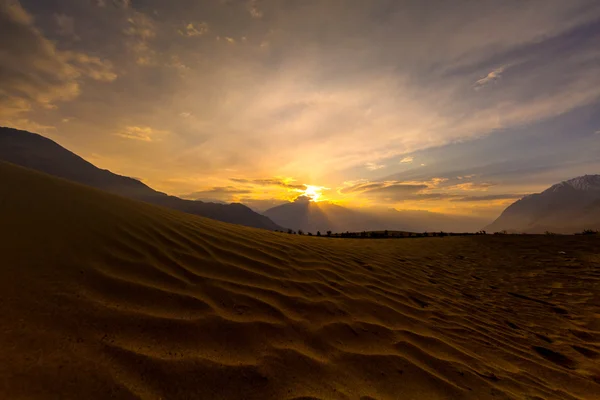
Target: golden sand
105,297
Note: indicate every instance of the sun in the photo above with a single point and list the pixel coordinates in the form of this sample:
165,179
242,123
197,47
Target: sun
314,192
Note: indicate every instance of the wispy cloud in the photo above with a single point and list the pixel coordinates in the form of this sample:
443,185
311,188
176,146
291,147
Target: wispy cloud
406,160
470,186
493,76
387,187
286,183
217,192
373,166
488,198
143,133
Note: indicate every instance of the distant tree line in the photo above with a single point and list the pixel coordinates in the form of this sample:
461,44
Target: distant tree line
399,234
382,234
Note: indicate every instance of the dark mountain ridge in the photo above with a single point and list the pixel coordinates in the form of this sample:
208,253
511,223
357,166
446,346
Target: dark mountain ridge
36,152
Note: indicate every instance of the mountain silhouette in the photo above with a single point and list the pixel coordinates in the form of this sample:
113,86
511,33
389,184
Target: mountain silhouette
567,207
36,152
323,216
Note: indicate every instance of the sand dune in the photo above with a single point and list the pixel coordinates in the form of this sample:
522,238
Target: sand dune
105,297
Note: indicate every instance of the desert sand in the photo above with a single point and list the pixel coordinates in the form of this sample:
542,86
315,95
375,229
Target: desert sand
105,297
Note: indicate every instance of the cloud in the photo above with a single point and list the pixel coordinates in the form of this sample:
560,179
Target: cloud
140,25
142,30
434,189
493,76
468,186
218,192
145,134
286,183
489,197
432,196
374,167
253,9
383,188
185,114
92,67
406,160
66,25
192,30
33,72
121,3
124,4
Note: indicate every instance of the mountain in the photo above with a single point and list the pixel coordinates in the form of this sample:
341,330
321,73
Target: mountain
323,216
36,152
567,207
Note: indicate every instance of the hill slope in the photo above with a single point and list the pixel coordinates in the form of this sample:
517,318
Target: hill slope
37,152
105,297
567,207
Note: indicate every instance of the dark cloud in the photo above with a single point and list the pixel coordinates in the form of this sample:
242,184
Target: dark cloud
394,191
33,72
115,3
399,191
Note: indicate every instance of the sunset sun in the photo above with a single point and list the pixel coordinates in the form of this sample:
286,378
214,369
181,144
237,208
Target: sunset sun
314,192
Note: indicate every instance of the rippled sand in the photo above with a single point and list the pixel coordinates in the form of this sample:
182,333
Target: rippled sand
104,297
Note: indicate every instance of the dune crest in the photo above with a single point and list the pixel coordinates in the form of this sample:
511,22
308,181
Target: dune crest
106,297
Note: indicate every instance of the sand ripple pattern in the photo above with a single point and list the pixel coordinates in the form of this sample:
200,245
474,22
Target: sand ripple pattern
108,298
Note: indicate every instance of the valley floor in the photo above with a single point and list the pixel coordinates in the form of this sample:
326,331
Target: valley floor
103,297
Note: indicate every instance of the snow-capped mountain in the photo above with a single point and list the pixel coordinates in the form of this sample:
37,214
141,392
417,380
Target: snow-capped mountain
584,183
567,207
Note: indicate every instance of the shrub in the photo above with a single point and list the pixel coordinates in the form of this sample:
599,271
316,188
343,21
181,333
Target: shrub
589,232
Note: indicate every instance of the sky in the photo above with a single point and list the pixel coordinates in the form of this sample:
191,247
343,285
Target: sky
459,107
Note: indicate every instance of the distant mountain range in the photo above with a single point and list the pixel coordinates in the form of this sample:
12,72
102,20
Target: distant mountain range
36,152
323,216
567,207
